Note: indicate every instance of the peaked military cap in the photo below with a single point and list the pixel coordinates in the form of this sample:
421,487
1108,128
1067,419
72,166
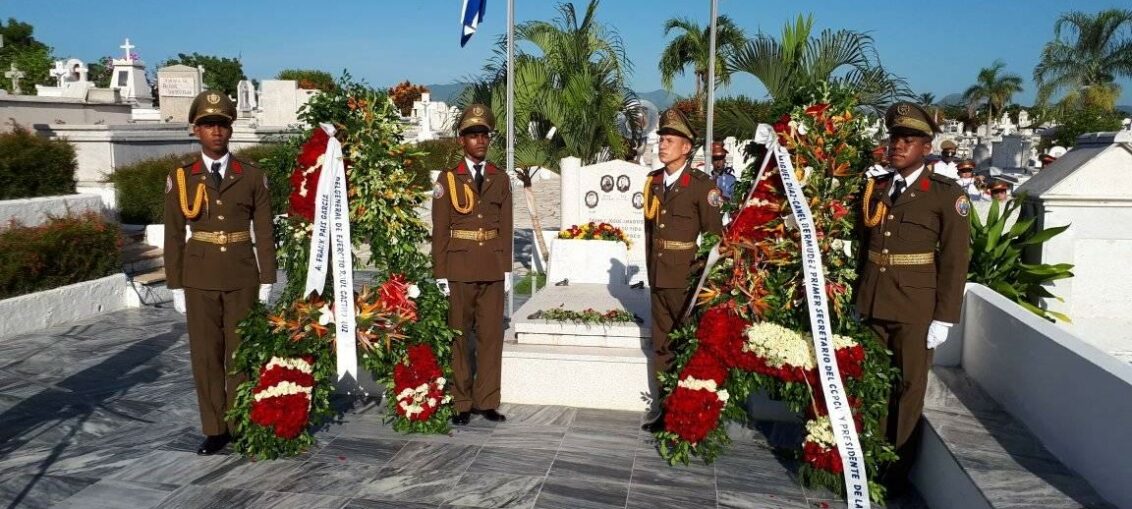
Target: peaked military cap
948,144
476,115
673,121
212,104
906,116
965,165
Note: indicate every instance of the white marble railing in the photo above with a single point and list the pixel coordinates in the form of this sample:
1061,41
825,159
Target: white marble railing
1074,397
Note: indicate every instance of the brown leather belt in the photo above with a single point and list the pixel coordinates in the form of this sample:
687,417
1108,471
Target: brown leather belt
675,245
886,259
221,238
476,235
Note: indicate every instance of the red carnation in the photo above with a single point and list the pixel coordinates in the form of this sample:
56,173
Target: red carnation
703,366
822,458
721,334
692,414
304,183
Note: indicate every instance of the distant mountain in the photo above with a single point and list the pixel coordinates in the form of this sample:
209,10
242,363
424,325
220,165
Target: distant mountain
951,100
660,97
447,93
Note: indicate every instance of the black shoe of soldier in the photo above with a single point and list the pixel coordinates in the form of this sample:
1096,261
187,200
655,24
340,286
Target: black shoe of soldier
491,415
213,444
461,418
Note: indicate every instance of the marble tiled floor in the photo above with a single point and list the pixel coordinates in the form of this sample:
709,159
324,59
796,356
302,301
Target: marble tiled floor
102,414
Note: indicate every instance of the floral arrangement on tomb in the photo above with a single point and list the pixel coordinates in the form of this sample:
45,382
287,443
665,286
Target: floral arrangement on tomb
749,331
595,231
402,337
588,316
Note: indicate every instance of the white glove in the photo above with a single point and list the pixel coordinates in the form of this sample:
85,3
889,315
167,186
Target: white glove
507,281
442,283
264,292
179,300
937,333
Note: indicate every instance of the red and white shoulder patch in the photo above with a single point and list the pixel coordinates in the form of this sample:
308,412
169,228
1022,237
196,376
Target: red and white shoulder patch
963,206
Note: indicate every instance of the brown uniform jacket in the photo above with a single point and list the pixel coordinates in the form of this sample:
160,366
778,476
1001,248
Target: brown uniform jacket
241,198
685,212
469,260
929,217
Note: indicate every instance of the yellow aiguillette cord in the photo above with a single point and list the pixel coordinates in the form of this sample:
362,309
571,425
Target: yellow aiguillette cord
468,196
654,206
871,220
193,212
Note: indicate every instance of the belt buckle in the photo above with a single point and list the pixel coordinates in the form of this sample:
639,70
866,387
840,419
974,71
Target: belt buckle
885,259
221,238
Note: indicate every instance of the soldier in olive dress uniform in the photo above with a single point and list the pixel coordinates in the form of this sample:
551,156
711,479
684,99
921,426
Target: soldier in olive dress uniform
471,261
680,204
913,254
217,275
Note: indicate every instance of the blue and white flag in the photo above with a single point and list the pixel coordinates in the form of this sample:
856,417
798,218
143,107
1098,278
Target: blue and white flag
470,18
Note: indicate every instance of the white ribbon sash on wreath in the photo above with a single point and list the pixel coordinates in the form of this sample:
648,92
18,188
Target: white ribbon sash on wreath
821,328
331,237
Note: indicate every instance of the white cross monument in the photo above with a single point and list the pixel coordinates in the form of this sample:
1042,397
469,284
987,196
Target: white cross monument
128,47
15,75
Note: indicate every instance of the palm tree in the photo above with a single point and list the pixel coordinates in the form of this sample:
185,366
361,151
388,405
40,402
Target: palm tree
1096,49
571,95
794,64
993,87
926,99
690,48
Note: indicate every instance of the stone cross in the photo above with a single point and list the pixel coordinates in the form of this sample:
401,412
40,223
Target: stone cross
60,72
128,47
15,75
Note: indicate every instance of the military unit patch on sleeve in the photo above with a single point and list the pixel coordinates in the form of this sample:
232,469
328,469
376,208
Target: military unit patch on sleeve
168,184
437,191
715,198
963,206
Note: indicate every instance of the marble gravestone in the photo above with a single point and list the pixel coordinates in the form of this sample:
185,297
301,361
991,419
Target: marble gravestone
177,85
610,192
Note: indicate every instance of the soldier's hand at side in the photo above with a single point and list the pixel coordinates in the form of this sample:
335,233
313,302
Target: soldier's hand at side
264,292
442,283
179,300
507,281
937,333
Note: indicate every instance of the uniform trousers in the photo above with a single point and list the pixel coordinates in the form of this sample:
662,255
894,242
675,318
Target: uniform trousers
478,307
910,353
668,306
212,316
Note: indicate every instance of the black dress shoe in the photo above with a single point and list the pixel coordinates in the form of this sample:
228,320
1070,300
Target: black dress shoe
213,444
655,425
491,415
461,418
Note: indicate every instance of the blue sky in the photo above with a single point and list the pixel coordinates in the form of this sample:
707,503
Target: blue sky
938,47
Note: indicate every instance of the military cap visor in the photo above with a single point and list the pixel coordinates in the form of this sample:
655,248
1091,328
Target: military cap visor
476,116
966,166
210,105
909,118
948,145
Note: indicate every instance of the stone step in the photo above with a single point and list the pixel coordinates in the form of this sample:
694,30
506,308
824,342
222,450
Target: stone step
152,277
975,454
586,377
139,258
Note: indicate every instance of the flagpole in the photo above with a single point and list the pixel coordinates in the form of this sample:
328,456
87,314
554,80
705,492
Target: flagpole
710,86
511,135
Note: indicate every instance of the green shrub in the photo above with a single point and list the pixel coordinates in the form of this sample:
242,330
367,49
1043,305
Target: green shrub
310,79
63,251
140,187
31,166
439,154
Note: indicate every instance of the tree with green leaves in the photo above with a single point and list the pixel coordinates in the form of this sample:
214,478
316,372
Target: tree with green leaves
926,99
222,74
310,79
797,62
994,88
29,55
690,49
1088,53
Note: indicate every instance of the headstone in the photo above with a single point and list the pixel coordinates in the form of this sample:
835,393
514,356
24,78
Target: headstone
280,100
981,154
609,192
1023,119
15,75
177,85
59,72
1011,152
